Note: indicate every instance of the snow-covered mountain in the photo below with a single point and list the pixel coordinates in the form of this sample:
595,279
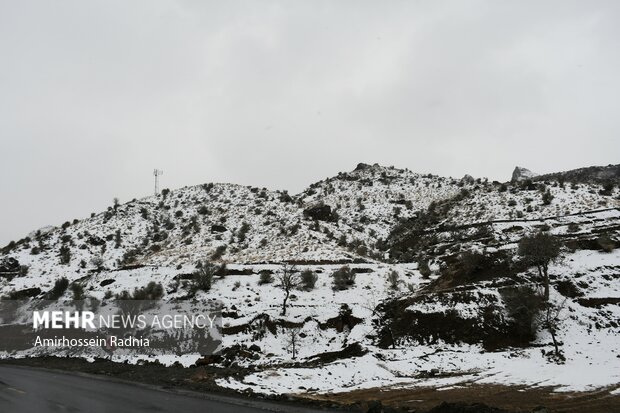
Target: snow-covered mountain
239,224
432,264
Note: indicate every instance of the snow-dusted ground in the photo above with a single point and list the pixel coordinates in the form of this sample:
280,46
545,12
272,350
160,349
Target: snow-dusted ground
591,353
489,204
174,232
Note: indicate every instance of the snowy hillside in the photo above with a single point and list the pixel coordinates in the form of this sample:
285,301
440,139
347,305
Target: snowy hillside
233,223
512,201
408,279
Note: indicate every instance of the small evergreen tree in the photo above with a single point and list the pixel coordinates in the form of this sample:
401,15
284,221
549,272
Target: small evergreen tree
423,267
540,250
393,279
343,278
60,286
308,279
243,231
78,291
117,239
265,278
65,254
152,291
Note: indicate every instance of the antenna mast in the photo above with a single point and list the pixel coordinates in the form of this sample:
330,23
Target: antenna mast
156,174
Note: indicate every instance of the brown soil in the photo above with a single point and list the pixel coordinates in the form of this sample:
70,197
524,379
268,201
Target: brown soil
511,398
418,399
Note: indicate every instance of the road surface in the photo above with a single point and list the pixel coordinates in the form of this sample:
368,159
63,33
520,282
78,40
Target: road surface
30,390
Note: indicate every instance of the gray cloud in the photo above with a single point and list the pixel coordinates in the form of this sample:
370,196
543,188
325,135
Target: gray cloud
94,95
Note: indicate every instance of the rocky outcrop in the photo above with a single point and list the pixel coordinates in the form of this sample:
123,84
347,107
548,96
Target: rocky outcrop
9,265
352,350
25,293
320,213
10,268
521,174
362,166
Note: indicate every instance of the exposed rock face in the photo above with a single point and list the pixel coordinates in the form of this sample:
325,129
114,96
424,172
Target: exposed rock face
352,350
320,213
25,293
521,174
97,241
468,179
362,166
9,265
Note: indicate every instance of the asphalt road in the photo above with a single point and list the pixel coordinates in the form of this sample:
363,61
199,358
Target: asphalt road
31,390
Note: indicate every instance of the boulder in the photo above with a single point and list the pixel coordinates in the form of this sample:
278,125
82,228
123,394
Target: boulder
25,293
208,360
218,228
521,174
352,350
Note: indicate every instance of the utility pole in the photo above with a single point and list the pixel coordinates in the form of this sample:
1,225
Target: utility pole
157,173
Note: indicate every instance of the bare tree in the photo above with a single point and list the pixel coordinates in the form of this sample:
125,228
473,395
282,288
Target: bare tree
540,249
550,320
293,339
289,280
371,302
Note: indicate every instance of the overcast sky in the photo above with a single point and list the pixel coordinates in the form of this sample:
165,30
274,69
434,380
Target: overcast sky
95,94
